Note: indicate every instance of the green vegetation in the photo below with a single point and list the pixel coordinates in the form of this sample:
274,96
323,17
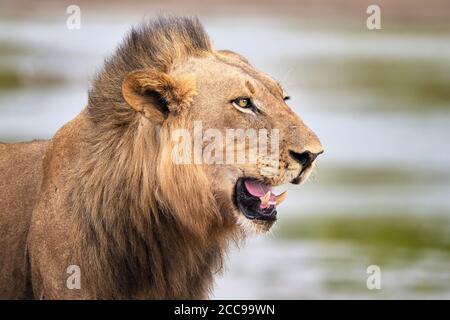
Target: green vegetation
404,84
9,79
381,237
396,230
358,285
376,176
10,49
426,288
13,79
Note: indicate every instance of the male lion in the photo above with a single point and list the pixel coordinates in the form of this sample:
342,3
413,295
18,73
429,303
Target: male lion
104,194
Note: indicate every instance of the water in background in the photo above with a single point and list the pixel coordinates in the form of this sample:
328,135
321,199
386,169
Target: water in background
379,101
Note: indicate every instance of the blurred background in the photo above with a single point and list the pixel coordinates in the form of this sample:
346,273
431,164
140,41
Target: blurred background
378,99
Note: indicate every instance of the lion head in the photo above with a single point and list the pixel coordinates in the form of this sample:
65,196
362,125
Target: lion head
167,82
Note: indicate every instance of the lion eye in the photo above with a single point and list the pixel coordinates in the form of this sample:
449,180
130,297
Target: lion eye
243,102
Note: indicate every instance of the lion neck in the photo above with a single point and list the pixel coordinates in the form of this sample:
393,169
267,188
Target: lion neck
135,242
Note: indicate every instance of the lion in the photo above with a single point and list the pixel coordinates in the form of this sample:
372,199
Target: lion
101,210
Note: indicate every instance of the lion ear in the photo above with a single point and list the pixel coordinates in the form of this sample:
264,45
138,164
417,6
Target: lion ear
156,94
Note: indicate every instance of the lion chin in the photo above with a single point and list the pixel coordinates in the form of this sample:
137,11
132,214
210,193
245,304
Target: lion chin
254,227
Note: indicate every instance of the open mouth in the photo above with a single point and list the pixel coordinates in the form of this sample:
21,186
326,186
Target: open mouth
256,199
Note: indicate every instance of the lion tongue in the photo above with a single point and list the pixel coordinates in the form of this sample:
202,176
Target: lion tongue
256,188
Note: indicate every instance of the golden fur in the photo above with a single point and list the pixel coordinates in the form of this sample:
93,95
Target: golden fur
110,198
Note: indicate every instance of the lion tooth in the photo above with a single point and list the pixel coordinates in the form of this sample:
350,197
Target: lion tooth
265,199
281,197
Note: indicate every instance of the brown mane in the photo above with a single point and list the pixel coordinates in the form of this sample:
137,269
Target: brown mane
130,203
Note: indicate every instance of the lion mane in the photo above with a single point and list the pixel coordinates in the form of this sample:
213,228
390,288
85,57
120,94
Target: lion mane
104,195
131,204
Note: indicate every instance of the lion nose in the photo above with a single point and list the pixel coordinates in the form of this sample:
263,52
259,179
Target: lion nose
304,158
